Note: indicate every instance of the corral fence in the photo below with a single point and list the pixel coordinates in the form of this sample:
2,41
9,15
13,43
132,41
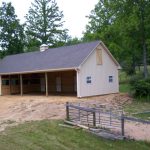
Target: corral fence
99,116
96,116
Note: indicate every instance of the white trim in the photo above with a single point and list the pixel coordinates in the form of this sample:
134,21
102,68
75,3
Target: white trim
89,55
109,53
40,71
0,85
106,49
78,83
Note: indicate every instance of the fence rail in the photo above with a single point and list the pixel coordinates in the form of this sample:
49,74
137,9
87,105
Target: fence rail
137,120
95,116
99,117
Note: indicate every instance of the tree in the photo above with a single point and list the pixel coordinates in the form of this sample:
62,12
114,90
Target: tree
142,4
44,21
11,32
125,28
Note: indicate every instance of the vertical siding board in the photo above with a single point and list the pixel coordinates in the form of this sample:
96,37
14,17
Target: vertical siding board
78,83
99,75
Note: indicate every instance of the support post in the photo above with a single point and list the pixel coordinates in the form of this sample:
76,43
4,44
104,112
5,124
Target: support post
0,85
94,118
10,84
67,111
78,83
46,83
21,85
122,125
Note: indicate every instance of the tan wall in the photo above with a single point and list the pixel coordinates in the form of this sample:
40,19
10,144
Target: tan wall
15,89
31,88
99,75
67,81
67,84
5,90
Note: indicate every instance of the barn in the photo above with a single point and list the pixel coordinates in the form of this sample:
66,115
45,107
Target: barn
85,69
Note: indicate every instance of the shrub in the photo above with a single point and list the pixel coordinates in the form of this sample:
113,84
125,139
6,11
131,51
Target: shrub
140,87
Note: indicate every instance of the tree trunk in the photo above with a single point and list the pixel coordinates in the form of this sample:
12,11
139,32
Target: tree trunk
143,38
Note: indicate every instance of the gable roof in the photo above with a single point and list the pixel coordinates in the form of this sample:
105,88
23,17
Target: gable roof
66,57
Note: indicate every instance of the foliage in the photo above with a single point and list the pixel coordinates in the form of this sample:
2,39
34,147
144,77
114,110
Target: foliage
44,22
73,41
124,88
125,28
11,32
141,87
48,135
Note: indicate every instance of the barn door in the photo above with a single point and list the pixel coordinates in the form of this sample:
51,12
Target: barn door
58,84
42,84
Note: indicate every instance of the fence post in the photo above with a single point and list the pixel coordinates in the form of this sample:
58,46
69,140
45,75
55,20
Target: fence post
122,124
67,110
110,116
79,112
94,117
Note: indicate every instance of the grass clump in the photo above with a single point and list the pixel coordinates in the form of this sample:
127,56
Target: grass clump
48,135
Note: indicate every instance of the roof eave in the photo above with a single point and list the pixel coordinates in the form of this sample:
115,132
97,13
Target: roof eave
40,71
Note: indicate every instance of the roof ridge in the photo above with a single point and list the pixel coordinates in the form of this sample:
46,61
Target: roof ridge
52,48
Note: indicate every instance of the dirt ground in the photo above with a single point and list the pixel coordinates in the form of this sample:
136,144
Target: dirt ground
17,109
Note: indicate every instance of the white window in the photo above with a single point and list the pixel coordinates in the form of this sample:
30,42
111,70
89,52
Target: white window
88,80
110,79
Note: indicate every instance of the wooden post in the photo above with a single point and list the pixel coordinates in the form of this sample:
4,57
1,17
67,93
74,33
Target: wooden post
110,116
21,85
122,124
94,118
10,84
67,111
79,112
0,85
46,83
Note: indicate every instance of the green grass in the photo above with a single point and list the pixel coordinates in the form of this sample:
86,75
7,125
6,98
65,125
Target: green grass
145,116
47,135
123,77
124,87
137,107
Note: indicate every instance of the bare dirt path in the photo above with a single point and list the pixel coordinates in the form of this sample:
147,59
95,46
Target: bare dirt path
17,109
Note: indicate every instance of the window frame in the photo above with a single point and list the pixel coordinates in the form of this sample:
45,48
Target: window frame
88,80
110,79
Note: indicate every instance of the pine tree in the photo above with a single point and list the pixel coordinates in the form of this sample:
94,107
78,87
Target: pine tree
11,32
44,21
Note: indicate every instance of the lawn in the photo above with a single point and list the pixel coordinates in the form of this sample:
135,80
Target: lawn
137,107
145,116
48,135
124,87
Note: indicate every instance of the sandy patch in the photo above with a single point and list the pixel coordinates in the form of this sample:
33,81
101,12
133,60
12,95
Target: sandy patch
17,109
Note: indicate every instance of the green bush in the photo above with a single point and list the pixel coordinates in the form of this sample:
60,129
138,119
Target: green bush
140,87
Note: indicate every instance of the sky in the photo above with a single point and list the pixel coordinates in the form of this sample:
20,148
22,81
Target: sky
75,12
